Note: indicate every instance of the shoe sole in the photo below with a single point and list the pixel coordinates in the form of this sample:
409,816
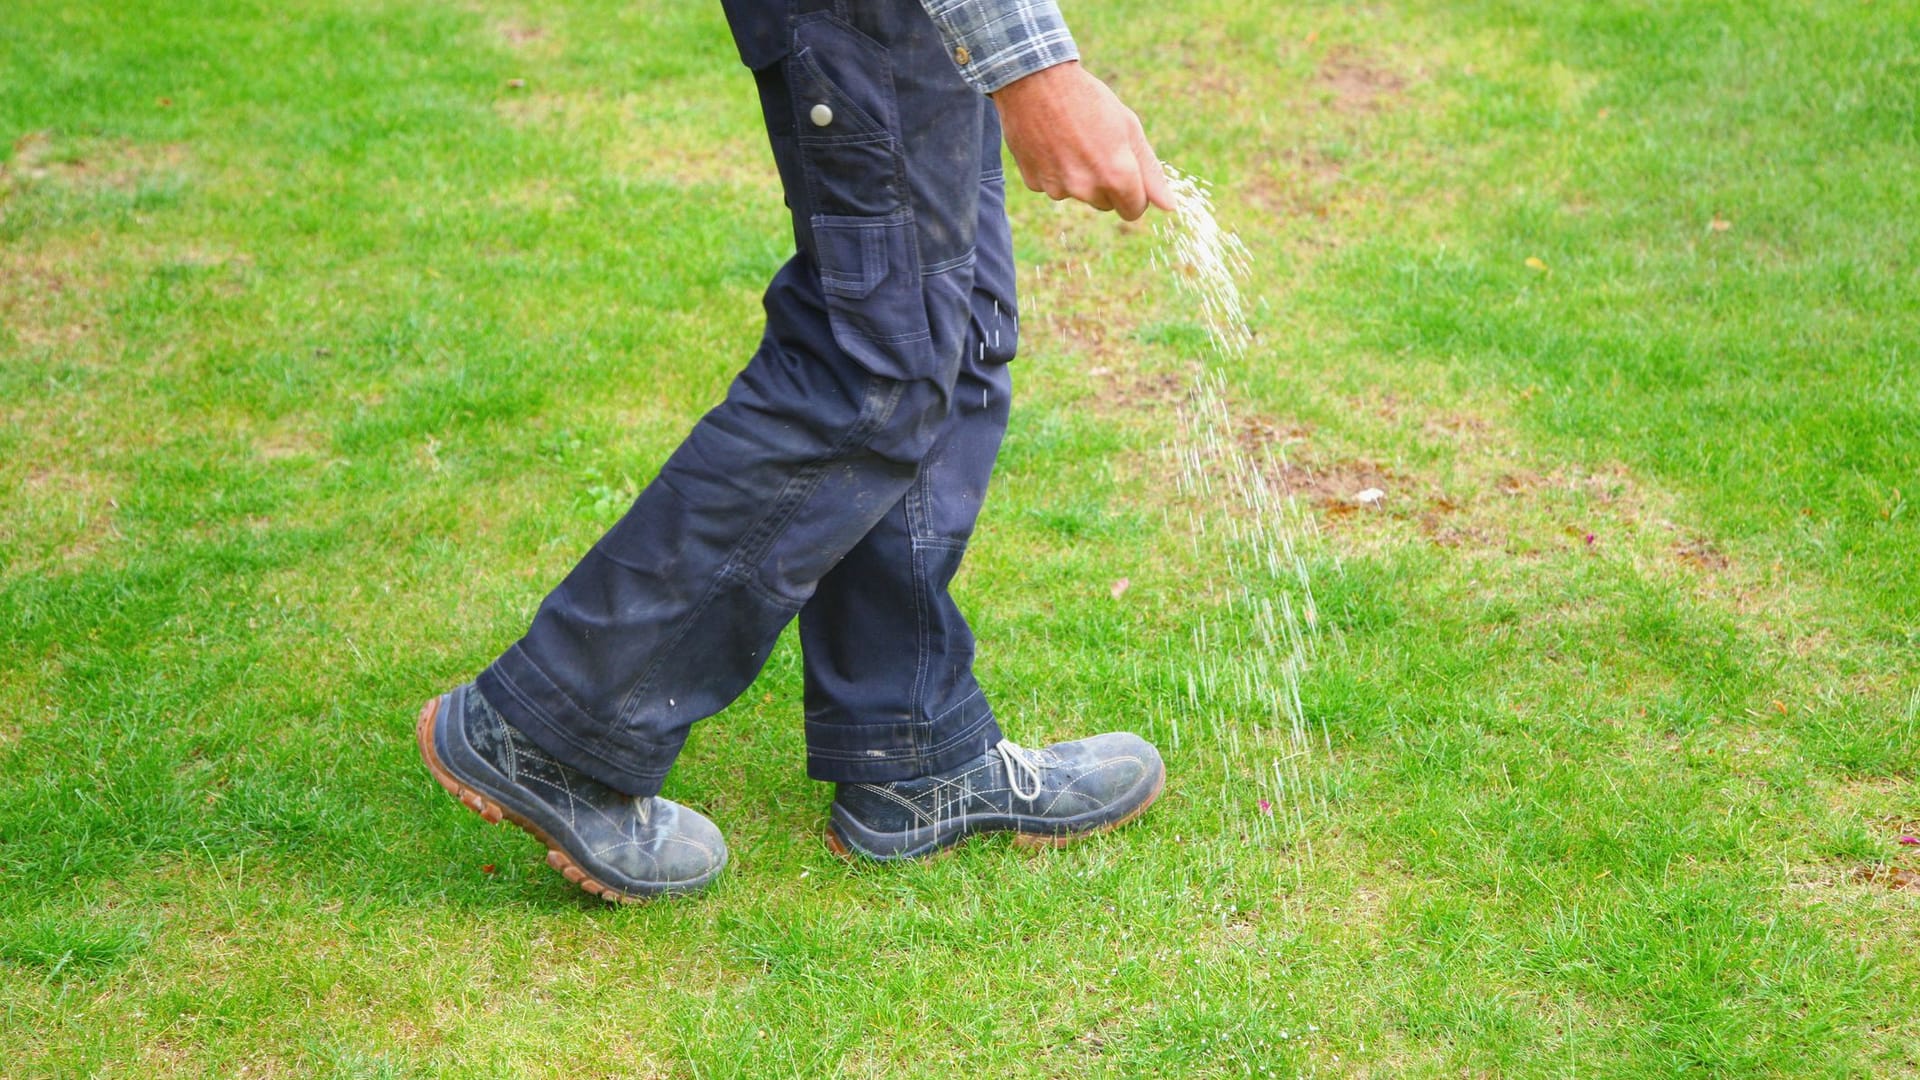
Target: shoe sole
1028,840
494,813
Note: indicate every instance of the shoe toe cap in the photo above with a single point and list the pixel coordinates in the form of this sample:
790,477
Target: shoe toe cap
675,850
689,848
1118,748
1112,765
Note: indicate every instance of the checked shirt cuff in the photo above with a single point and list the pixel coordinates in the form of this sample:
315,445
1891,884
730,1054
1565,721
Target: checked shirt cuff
995,42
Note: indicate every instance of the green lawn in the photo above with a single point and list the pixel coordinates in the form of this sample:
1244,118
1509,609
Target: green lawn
331,332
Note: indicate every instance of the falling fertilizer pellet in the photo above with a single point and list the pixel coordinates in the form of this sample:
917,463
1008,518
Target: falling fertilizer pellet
1208,262
1243,684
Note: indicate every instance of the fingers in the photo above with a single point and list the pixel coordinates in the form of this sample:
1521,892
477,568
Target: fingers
1073,139
1145,181
1158,191
1091,189
1104,190
1130,201
1138,181
1127,189
1026,177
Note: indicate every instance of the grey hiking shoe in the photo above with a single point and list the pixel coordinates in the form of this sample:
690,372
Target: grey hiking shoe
1049,797
612,845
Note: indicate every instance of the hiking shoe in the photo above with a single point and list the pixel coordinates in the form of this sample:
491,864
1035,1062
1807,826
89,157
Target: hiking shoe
614,846
1049,797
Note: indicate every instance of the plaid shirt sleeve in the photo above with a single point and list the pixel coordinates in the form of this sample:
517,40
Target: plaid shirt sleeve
995,42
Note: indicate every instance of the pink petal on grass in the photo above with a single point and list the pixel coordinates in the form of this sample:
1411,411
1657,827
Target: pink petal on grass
1120,588
1266,807
1911,841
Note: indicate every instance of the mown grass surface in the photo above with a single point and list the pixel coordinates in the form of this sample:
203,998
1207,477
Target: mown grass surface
324,350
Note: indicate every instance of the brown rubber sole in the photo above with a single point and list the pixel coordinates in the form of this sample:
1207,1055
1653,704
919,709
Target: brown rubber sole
494,813
1026,840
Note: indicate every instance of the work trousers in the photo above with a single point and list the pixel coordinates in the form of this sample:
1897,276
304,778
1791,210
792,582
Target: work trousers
840,478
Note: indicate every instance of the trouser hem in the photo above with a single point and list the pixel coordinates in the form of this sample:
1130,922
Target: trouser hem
637,772
888,766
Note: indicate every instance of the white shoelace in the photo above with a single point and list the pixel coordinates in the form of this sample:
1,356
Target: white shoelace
1020,761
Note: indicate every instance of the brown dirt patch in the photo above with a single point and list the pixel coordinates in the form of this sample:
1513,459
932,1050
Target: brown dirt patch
1701,554
31,298
1354,83
1471,486
526,108
1299,183
45,157
644,138
519,34
683,154
1439,523
60,518
1084,333
1333,487
1443,533
1522,482
287,441
1889,877
1129,389
1258,436
1482,499
1330,484
1070,300
1459,427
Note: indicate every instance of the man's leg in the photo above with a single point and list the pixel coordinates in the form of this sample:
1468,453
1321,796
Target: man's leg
894,715
671,614
889,657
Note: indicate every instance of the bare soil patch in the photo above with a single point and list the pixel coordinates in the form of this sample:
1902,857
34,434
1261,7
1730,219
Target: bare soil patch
1889,877
1459,427
46,157
33,290
288,440
1298,183
1128,389
1335,487
60,518
1260,435
520,34
527,108
1354,83
1701,554
683,151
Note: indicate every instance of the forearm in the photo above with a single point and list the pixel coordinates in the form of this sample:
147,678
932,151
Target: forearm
996,42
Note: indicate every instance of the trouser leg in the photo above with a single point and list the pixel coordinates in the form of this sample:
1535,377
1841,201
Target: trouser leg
890,692
672,613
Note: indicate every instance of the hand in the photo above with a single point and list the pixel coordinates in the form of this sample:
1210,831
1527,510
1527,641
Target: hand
1073,139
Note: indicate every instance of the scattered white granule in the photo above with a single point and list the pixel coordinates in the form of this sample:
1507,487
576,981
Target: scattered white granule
1208,262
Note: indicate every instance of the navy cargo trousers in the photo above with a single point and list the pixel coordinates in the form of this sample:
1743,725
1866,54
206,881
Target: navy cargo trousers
840,478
